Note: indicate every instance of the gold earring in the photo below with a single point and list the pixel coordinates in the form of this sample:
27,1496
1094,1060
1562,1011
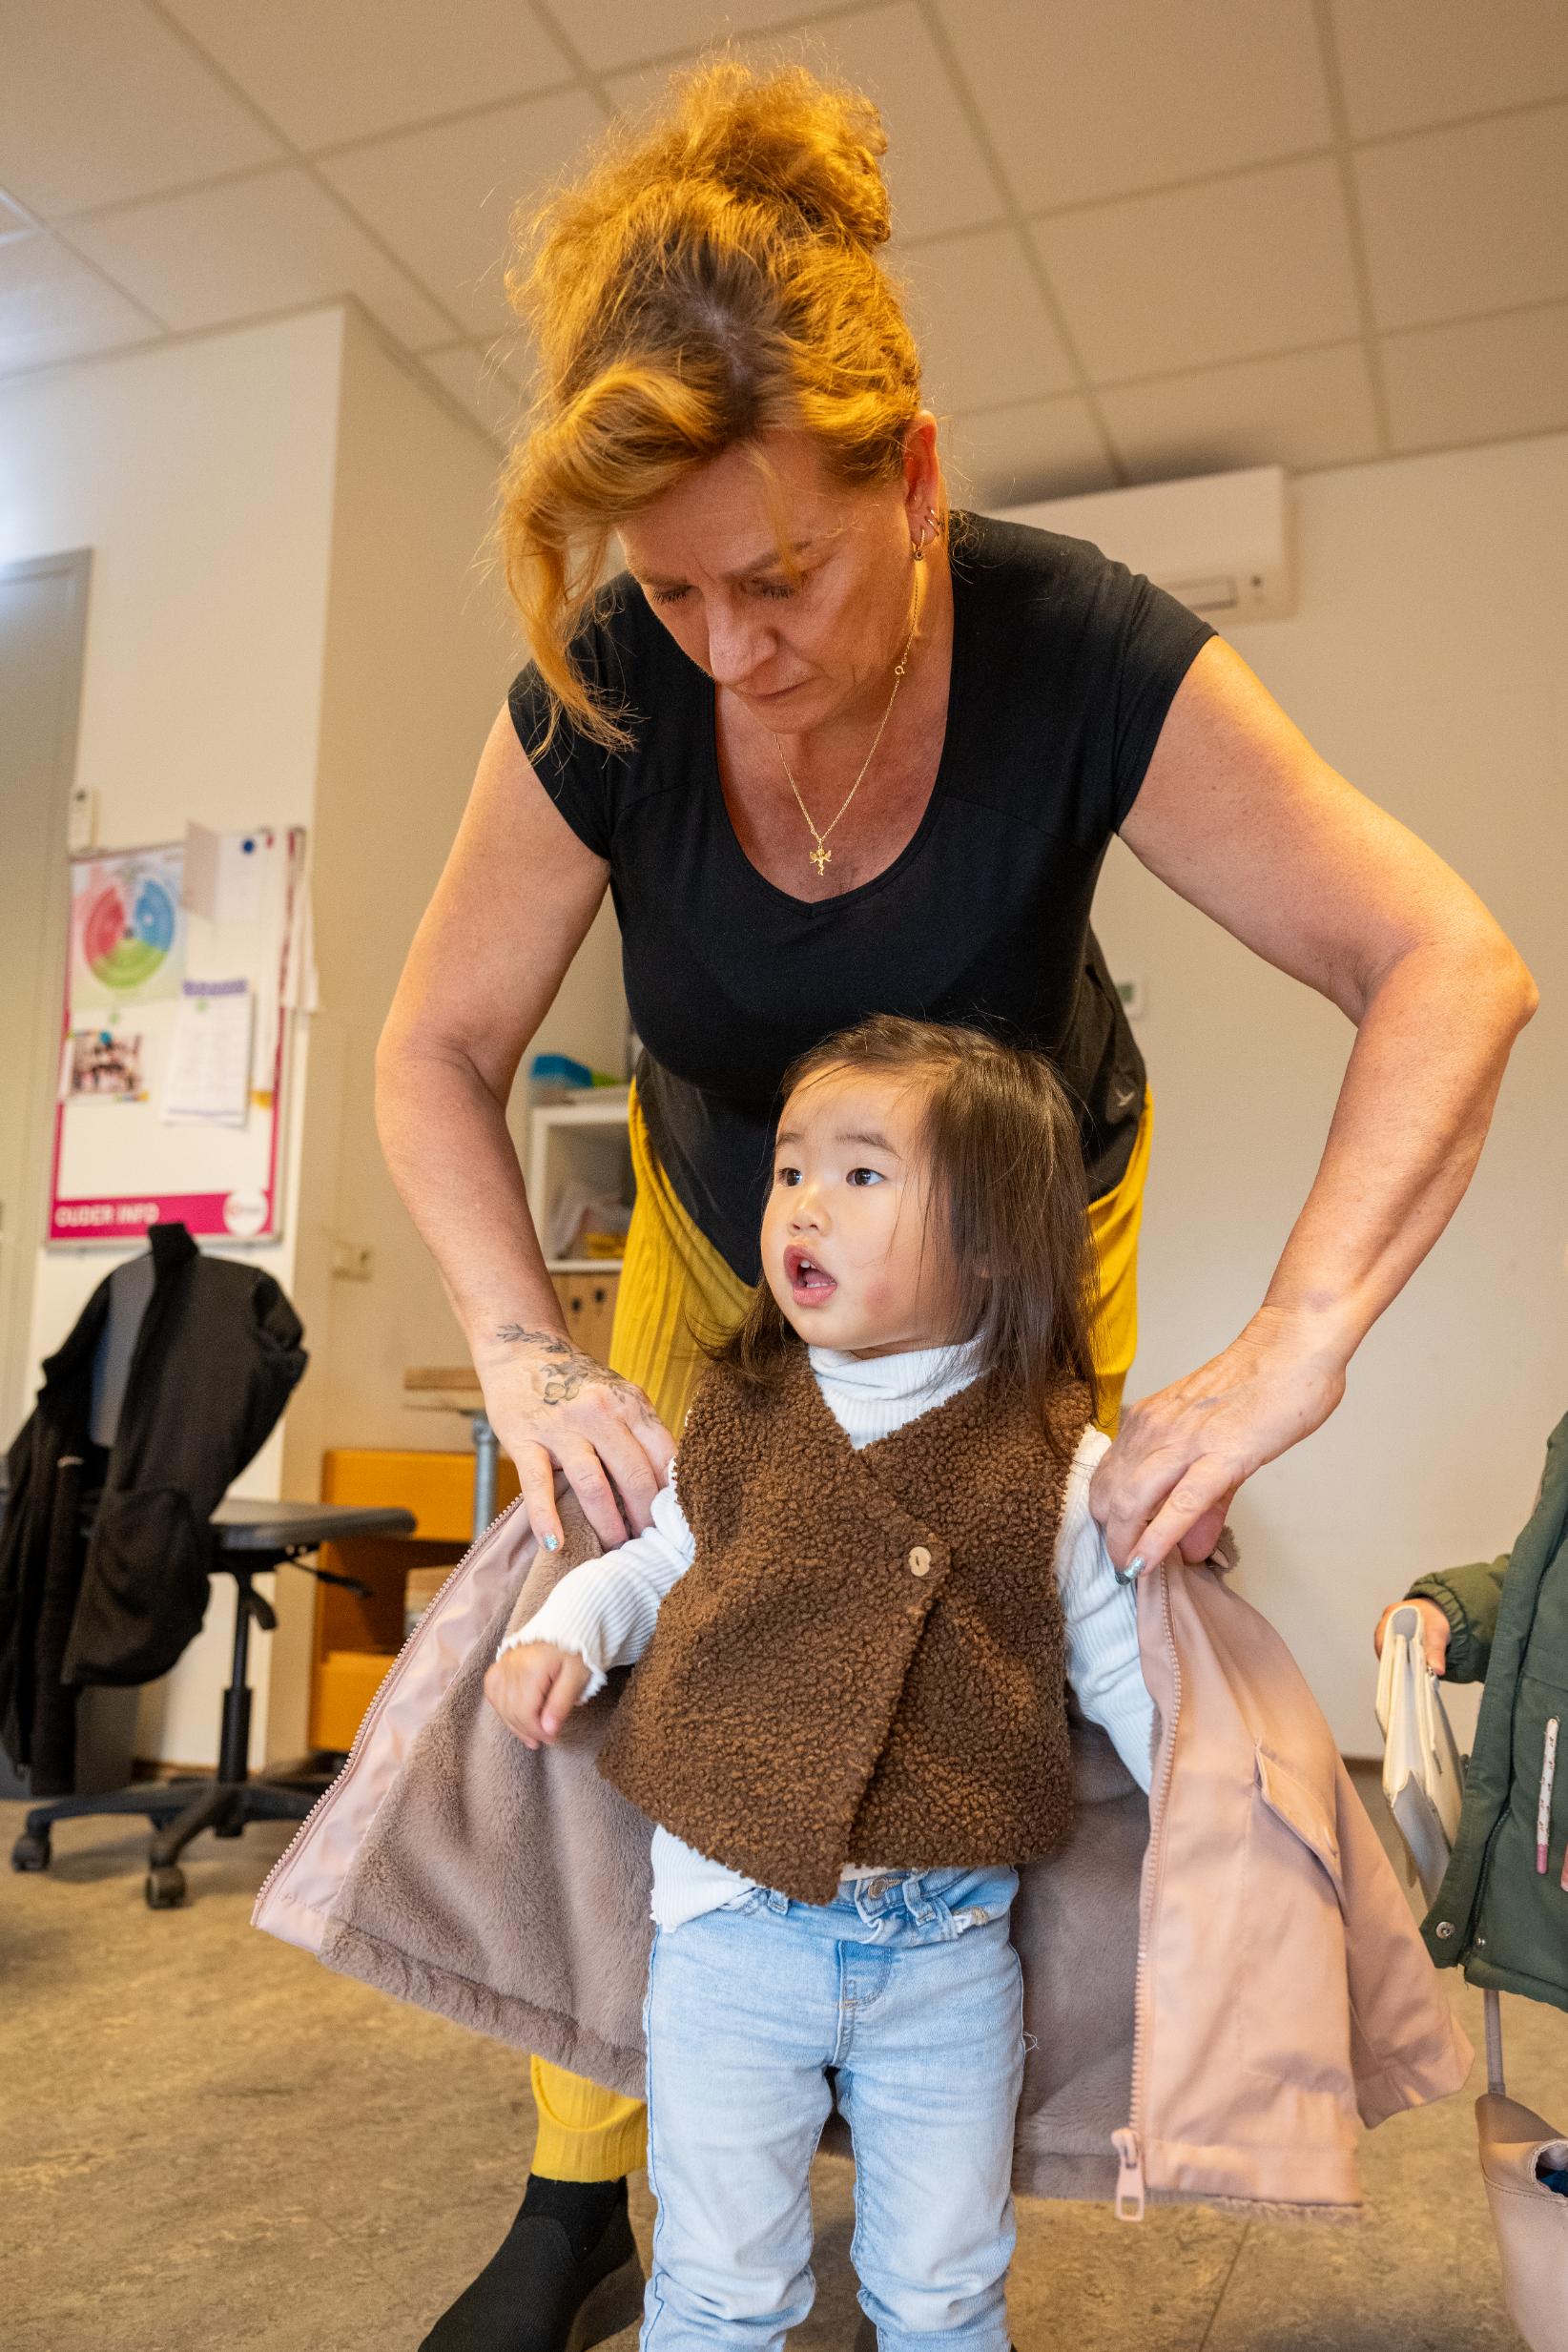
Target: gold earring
928,531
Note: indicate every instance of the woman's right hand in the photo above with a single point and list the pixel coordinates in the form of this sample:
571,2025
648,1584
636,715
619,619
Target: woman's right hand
1436,1631
553,1407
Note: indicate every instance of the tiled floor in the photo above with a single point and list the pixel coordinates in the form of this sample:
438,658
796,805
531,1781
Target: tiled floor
209,2141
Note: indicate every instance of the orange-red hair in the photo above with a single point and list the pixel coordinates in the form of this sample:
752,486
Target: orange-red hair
710,278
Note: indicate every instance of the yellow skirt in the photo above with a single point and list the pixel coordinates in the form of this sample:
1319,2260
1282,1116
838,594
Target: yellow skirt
674,1282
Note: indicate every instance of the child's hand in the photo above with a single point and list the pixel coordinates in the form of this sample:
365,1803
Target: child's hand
1436,1631
534,1688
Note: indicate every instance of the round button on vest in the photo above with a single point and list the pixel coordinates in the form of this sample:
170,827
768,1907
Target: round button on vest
920,1561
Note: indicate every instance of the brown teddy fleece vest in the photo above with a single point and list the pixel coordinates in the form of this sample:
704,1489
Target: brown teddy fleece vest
864,1661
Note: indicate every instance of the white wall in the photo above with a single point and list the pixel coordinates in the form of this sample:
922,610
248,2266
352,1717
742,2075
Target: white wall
201,477
420,648
1427,663
287,624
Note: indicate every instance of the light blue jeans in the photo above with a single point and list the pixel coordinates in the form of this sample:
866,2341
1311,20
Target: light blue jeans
909,1991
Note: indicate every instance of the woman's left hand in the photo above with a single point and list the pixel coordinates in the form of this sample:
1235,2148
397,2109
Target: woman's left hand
1180,1454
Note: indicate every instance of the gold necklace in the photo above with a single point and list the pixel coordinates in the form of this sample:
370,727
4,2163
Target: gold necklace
821,855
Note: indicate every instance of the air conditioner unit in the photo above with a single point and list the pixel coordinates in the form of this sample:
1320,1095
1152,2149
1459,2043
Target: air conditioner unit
1221,543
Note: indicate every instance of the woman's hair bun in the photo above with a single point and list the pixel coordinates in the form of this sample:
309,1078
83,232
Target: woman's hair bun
712,276
784,140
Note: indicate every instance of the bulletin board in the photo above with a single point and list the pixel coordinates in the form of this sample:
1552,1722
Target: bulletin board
187,961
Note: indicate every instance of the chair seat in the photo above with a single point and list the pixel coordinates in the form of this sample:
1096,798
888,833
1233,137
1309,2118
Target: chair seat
245,1524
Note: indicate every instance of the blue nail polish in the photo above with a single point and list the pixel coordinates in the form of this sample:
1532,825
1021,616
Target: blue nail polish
552,1543
1126,1575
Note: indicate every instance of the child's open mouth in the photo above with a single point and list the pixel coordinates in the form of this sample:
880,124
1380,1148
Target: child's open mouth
810,1284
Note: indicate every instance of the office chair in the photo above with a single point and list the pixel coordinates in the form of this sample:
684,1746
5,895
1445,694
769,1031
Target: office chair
248,1540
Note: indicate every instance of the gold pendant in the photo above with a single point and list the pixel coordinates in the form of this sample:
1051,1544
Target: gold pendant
821,856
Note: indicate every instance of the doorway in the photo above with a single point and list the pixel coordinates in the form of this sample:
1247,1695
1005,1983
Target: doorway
43,622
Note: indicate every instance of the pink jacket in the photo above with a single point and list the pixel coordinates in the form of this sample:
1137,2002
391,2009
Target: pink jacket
1219,1978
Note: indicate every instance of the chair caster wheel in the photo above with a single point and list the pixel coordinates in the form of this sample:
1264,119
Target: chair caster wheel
29,1852
165,1888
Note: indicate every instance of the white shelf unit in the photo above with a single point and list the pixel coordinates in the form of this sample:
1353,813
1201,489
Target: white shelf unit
585,1140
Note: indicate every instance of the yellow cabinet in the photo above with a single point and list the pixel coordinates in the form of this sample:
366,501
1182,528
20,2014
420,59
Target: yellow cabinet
358,1636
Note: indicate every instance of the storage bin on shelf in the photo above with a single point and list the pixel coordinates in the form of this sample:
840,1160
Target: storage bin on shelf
579,1154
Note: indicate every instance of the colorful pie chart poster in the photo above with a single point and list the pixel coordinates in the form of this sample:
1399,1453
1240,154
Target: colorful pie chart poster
127,930
172,1042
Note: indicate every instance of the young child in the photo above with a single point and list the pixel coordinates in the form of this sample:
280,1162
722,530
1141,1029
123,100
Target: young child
850,1725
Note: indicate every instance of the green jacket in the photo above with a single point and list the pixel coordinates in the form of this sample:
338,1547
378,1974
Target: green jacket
1506,1923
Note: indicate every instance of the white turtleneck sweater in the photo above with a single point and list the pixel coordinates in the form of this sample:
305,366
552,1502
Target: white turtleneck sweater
604,1611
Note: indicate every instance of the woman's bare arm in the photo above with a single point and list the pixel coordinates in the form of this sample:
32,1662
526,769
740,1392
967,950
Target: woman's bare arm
1240,816
513,907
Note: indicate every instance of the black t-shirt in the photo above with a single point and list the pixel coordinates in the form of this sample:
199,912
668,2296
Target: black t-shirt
1064,664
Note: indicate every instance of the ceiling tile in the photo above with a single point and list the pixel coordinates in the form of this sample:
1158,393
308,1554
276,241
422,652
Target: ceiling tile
984,331
1233,270
100,100
607,33
1478,380
1304,410
1405,63
1088,102
53,307
1008,456
320,78
443,197
1470,219
473,377
271,243
937,175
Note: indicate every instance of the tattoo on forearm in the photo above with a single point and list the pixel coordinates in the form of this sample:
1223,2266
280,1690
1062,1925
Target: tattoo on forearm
573,1378
551,1342
575,1371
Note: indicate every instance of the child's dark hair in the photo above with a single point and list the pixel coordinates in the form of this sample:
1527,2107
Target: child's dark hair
1006,1174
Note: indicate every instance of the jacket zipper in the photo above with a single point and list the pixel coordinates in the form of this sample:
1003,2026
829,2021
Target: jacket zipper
1129,2141
381,1689
1472,1918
